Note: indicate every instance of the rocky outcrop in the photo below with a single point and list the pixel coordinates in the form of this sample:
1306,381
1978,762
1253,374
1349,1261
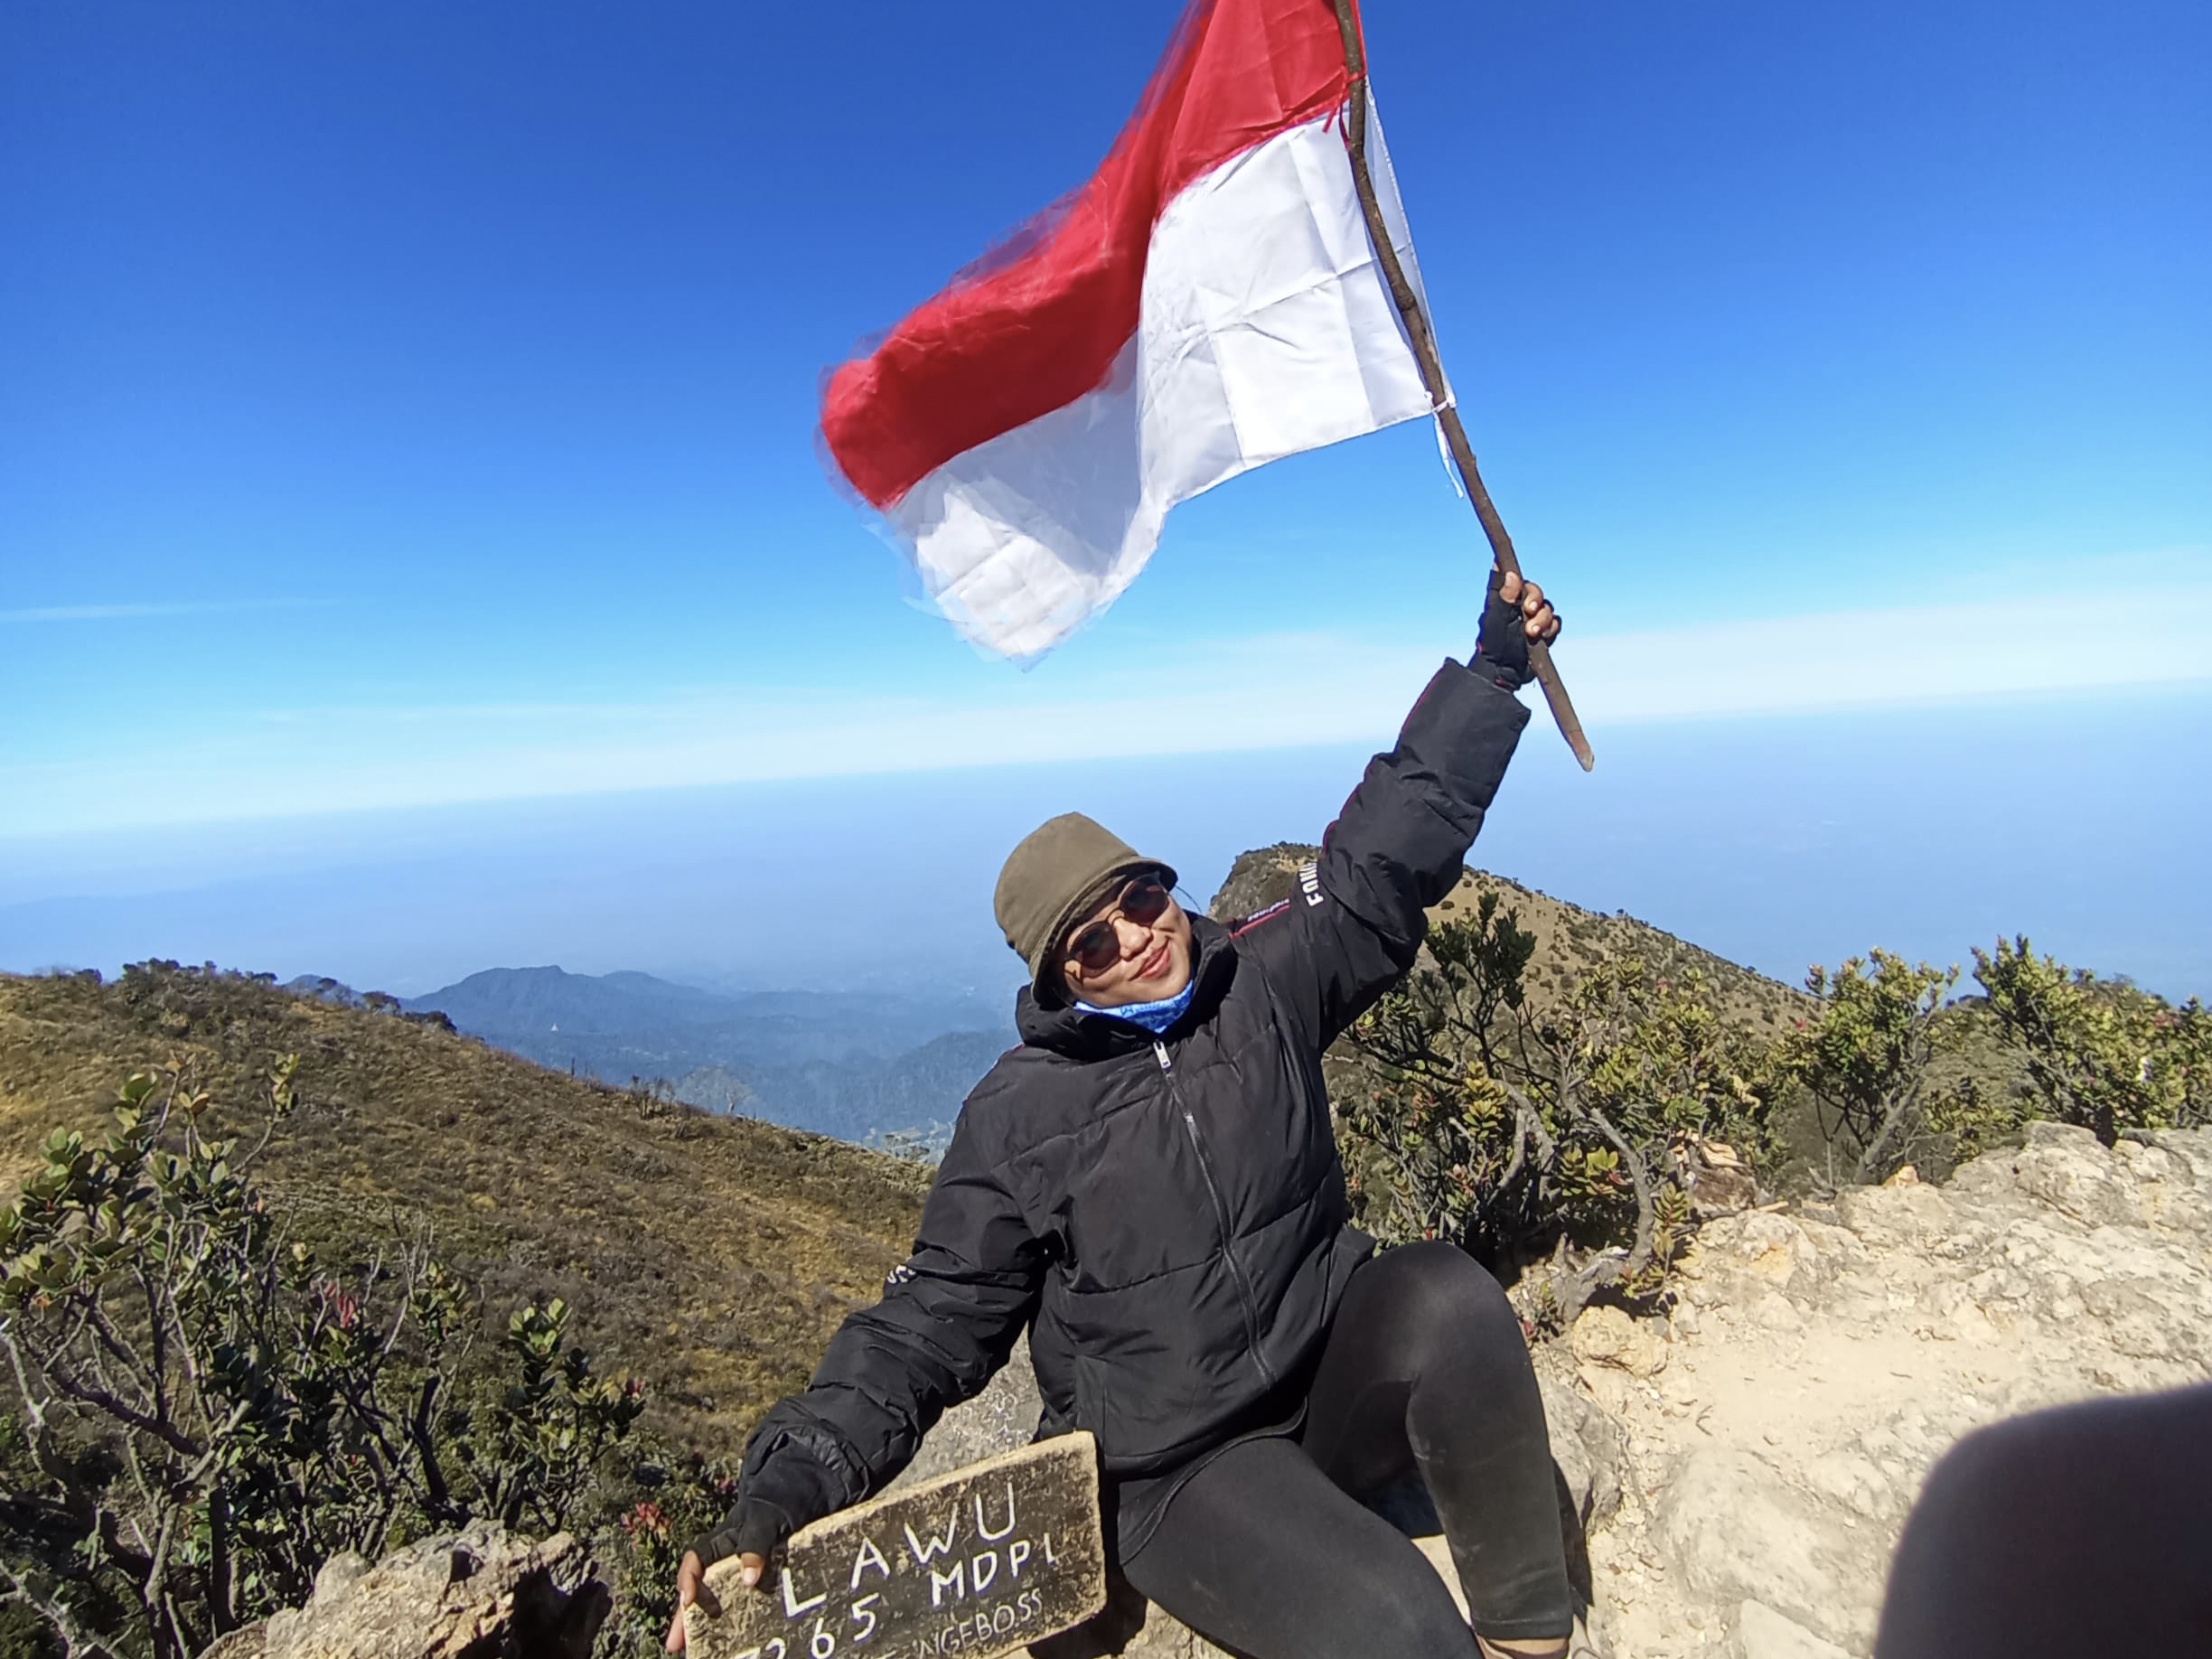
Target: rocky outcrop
1738,1471
1820,1358
480,1594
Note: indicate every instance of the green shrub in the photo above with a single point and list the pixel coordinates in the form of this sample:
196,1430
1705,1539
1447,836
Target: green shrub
205,1412
1867,1056
2100,1052
1517,1132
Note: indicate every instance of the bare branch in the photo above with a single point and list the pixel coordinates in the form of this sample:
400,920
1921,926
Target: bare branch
76,1640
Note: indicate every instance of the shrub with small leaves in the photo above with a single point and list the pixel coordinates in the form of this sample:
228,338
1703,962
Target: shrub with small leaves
688,1497
534,1457
205,1412
1866,1057
2100,1054
1518,1134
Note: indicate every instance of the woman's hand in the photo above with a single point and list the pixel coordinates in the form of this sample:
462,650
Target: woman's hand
1517,616
691,1585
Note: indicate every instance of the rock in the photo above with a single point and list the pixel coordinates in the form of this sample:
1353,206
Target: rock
1607,1335
1001,1419
1761,1633
480,1594
1742,1470
1905,1176
1887,1217
2060,1169
1775,1312
1588,1448
1734,1530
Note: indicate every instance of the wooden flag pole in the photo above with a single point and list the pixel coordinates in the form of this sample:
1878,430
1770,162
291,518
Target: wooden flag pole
1432,376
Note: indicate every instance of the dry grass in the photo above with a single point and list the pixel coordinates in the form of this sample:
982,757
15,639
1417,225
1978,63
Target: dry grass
713,1257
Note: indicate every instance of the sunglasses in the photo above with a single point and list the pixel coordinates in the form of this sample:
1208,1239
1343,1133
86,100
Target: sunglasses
1097,947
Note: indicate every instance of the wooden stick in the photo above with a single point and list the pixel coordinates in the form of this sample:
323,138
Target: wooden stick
1432,376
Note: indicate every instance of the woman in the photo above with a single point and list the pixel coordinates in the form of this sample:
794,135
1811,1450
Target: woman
1151,1184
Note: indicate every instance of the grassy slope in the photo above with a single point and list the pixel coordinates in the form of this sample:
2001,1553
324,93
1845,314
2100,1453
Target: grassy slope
711,1256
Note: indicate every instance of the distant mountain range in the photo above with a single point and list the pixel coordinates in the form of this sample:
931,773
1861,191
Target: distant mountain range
892,1069
858,1065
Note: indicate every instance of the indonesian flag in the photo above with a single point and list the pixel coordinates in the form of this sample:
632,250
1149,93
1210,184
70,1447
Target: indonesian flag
1208,301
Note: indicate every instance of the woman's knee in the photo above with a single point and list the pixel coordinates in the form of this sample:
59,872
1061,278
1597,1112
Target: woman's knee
1447,1289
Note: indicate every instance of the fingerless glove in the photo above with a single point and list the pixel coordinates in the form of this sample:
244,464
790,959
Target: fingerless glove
1501,644
753,1527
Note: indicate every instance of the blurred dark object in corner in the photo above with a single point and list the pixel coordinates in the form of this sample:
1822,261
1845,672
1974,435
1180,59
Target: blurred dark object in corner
2084,1530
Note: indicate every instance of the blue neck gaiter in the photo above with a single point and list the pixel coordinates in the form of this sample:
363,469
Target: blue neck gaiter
1154,1016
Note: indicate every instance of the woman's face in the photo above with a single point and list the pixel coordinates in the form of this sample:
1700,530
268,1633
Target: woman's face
1131,960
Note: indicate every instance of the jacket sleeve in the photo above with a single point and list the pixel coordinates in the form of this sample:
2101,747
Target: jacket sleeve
947,1319
1355,922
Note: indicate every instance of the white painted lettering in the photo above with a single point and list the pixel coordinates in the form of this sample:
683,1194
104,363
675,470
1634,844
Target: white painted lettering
983,1526
1018,1555
861,1609
924,1554
793,1605
979,1578
868,1556
956,1581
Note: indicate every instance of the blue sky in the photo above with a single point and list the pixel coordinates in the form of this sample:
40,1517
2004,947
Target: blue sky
412,405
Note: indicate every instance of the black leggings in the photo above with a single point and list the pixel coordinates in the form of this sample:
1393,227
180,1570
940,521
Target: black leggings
1268,1550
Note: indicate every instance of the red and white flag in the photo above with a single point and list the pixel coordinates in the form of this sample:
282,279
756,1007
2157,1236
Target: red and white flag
1209,301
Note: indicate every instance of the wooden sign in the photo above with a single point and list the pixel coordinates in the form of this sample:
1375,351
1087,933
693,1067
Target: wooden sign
990,1558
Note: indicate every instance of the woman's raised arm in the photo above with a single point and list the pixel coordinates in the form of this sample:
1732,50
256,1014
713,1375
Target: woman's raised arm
1358,917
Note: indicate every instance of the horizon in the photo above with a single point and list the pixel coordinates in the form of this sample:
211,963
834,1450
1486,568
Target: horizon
1888,827
407,473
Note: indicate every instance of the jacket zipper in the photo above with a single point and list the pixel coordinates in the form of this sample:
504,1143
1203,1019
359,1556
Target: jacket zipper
1221,1216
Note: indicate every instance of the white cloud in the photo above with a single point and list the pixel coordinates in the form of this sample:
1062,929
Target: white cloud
1252,693
126,612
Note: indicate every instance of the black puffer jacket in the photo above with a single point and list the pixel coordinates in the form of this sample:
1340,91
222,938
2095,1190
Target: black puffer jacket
1167,1216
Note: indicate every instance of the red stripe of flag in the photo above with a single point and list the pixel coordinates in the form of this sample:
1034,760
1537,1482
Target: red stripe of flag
998,349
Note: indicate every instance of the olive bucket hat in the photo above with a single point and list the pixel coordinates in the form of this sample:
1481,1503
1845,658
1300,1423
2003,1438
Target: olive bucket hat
1062,869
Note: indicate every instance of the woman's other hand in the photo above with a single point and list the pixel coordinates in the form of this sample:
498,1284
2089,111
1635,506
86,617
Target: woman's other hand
691,1585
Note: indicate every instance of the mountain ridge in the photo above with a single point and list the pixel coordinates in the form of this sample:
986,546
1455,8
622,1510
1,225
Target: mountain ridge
711,1255
858,1065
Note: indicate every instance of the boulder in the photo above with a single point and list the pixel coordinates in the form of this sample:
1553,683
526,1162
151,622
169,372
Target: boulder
1734,1530
1000,1418
1587,1449
479,1594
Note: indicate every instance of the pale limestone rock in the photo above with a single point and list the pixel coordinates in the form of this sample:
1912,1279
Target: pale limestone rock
1761,1633
480,1594
1607,1335
1003,1417
1892,1216
1775,1312
1588,1448
1734,1530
